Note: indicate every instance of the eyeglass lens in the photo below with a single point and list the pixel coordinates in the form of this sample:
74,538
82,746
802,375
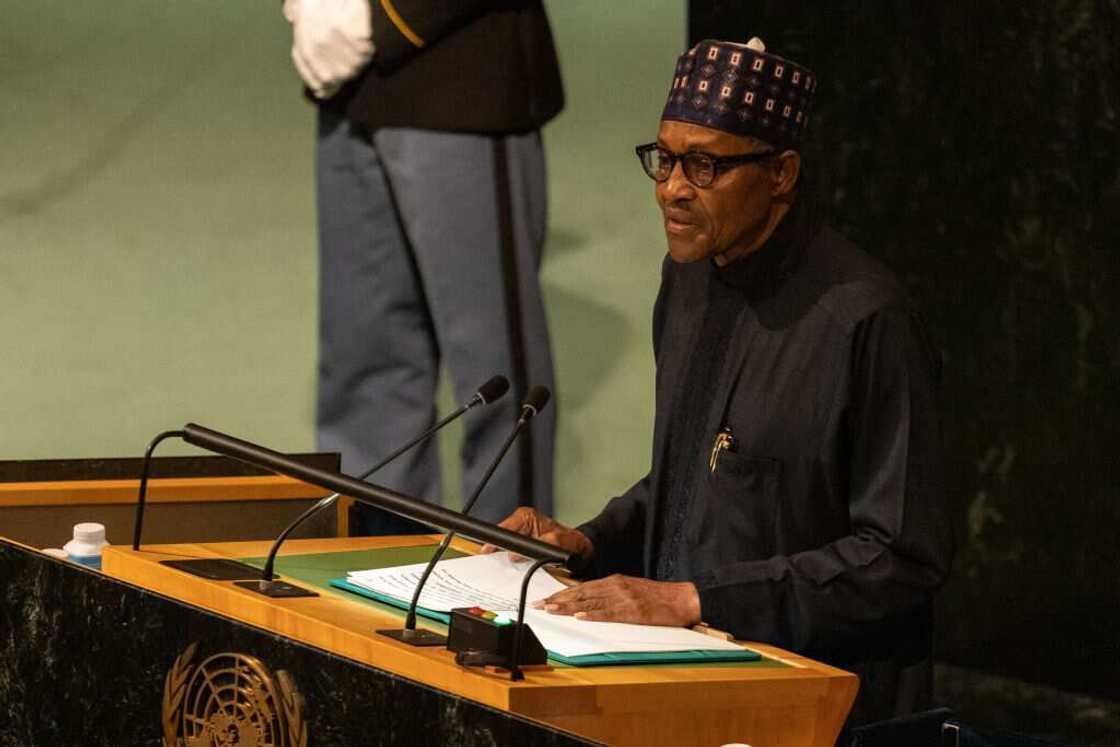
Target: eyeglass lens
698,167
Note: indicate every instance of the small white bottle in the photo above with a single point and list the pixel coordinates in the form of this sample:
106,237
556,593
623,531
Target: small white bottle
85,548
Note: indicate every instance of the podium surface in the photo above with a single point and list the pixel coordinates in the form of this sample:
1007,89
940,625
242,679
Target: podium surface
783,699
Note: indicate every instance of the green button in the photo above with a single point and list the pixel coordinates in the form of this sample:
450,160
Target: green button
502,620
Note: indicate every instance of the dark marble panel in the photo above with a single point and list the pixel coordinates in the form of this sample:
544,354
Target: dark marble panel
974,147
83,660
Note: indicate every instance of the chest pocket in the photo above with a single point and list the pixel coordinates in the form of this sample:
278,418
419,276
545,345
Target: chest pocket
735,511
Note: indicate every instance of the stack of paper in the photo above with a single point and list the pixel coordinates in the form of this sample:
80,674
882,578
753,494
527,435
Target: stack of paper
494,581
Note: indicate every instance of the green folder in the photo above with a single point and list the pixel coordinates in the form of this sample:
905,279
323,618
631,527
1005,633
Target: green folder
589,660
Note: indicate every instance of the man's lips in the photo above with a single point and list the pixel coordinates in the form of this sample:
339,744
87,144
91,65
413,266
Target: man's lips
676,222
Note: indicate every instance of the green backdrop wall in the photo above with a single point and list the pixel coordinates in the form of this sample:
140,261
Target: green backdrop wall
157,235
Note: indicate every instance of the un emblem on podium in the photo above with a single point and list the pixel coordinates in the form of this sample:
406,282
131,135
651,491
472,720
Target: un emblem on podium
232,700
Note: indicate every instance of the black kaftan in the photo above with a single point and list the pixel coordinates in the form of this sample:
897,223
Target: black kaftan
823,527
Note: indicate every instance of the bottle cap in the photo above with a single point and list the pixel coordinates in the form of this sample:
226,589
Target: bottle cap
90,532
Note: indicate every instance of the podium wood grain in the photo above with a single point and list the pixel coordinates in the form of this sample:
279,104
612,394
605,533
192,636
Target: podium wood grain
804,703
160,490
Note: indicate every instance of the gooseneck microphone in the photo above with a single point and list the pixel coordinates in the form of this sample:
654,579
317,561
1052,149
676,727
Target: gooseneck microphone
374,495
493,390
534,402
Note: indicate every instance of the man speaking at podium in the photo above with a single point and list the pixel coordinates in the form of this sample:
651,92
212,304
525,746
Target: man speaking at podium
795,493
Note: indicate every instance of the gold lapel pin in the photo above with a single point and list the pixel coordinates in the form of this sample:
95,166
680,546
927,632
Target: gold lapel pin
725,441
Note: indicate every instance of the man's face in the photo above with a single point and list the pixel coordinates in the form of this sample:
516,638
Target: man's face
728,216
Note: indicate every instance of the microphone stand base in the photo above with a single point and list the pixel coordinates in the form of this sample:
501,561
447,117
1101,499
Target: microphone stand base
279,589
415,636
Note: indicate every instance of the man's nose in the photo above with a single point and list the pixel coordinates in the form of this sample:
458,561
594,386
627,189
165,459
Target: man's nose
677,186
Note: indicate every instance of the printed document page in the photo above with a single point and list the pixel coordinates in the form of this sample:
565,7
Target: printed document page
493,582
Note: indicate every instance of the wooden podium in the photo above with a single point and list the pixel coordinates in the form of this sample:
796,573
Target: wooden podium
784,699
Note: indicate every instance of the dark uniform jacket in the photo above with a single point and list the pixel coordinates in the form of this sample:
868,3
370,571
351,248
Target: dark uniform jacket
481,66
822,527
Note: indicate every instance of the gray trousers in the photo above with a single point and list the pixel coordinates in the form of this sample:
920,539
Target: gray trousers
430,243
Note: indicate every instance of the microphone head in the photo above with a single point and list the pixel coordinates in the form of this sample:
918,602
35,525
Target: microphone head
494,389
535,401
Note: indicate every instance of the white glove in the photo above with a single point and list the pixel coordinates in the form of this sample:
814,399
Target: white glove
331,41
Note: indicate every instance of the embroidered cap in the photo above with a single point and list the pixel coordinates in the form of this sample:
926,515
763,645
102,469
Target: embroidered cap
744,90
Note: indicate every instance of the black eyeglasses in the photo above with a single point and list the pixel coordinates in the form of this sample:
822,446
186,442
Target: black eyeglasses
701,169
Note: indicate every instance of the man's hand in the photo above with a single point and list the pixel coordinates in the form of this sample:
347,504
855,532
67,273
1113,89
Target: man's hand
530,522
628,599
331,41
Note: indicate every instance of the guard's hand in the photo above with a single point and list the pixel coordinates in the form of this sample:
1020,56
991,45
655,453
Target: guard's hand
533,523
628,599
331,41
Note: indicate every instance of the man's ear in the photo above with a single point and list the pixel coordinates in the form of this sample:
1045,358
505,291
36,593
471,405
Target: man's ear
786,171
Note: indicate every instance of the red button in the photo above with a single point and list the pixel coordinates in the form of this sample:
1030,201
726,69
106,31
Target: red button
476,611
